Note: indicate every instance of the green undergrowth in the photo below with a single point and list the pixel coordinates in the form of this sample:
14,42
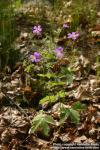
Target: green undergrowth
42,122
8,33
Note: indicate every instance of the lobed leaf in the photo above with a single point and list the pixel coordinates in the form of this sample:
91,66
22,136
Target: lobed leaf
64,114
75,117
41,123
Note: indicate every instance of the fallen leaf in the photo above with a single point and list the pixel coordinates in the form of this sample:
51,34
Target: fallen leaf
81,139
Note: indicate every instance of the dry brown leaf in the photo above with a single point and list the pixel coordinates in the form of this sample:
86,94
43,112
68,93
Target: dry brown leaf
81,139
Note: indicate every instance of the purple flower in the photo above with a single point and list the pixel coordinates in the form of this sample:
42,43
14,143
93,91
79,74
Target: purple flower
59,55
37,30
73,35
59,49
59,52
35,57
65,25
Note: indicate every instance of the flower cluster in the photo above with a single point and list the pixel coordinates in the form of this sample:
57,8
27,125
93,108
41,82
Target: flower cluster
73,35
59,52
35,57
37,30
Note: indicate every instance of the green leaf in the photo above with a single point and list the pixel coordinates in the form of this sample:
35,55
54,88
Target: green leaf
39,116
75,117
68,74
64,113
51,84
48,75
17,3
50,120
78,106
61,94
41,123
46,129
69,78
69,112
29,68
53,98
47,99
35,126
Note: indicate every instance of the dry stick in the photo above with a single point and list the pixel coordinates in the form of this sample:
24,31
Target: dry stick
19,108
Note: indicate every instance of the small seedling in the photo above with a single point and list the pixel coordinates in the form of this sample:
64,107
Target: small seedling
41,123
